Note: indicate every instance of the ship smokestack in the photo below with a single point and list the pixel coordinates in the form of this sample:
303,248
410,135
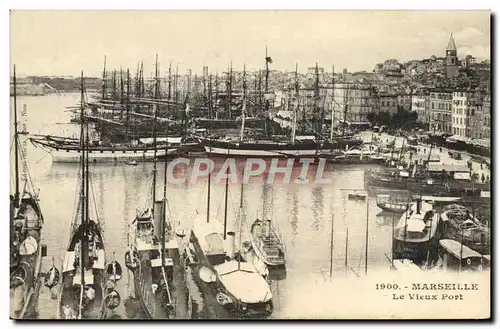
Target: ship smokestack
158,219
230,244
419,205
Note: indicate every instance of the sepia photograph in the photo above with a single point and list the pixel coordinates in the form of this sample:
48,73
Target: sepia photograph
250,164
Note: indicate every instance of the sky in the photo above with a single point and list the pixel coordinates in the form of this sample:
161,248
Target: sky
65,42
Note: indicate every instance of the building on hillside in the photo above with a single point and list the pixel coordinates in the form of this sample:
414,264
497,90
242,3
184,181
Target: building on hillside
481,121
452,63
420,104
440,111
404,101
464,105
351,102
386,103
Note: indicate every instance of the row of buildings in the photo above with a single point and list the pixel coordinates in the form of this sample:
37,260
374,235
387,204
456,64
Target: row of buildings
463,113
439,90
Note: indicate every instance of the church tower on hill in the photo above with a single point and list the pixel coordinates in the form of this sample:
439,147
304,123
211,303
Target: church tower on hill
452,63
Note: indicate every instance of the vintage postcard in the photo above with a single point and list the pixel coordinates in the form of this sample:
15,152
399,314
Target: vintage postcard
250,165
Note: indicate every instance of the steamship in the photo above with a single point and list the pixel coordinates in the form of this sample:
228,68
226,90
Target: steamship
237,286
417,232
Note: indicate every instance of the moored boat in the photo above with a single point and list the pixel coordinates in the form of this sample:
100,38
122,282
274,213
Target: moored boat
140,151
237,286
454,256
267,244
391,204
87,290
460,223
358,195
26,249
416,233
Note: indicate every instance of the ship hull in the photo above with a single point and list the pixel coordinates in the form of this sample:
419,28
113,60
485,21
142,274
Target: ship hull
33,282
104,154
268,148
259,153
110,156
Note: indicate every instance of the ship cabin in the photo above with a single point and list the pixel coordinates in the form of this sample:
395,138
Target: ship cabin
458,257
418,224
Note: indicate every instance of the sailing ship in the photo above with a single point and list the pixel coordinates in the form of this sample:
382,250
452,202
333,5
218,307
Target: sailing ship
416,234
121,129
26,223
154,254
87,290
67,150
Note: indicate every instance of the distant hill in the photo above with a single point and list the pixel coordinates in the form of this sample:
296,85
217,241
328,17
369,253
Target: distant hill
67,84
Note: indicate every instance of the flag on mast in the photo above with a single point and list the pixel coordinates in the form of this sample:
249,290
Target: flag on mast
269,60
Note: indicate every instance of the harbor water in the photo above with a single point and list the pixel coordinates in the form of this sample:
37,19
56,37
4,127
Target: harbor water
304,213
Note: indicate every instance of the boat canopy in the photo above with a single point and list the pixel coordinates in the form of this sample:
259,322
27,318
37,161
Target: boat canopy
246,286
232,266
456,249
415,225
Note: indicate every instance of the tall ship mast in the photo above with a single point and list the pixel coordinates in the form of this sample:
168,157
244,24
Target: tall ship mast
118,137
300,146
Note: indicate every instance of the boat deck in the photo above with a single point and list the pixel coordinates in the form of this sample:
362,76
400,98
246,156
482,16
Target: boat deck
178,292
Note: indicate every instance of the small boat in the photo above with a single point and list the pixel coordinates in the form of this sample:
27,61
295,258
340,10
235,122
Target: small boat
455,256
392,205
357,196
267,244
132,163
